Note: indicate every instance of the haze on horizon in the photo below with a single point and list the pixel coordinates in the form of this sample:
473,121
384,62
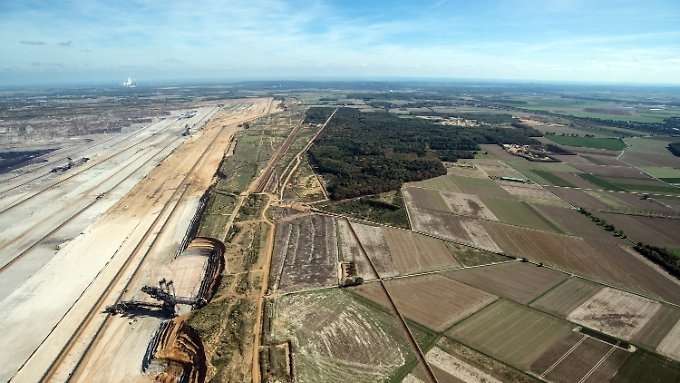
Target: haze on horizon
608,41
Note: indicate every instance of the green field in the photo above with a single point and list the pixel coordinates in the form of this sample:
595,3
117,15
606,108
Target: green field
553,179
589,142
519,213
510,332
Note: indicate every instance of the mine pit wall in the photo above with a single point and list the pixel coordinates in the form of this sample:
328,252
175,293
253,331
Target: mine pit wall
213,270
176,354
195,221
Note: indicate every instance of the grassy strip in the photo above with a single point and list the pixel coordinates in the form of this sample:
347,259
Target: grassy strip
597,181
552,178
589,142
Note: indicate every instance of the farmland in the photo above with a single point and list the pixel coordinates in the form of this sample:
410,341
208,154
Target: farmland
588,142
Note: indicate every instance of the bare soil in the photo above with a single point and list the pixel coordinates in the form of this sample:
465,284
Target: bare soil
432,300
615,312
518,281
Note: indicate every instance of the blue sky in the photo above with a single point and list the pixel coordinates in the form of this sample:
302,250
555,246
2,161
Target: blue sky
550,40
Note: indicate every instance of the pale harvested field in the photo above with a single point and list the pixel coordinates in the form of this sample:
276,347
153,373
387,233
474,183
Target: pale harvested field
532,193
670,345
337,338
566,297
599,260
373,241
431,300
349,251
483,363
658,327
457,368
451,227
579,198
412,252
496,168
424,199
468,205
512,333
615,312
461,171
518,281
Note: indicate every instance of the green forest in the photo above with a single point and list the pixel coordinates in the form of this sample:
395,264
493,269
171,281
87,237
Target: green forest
373,152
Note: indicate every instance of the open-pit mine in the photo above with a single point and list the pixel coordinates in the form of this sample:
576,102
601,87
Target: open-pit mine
99,256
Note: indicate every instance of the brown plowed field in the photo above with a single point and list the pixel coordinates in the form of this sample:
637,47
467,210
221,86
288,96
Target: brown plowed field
574,223
615,312
613,171
555,352
663,232
603,160
610,367
305,253
412,252
598,260
431,300
658,327
566,297
512,333
575,366
579,198
518,281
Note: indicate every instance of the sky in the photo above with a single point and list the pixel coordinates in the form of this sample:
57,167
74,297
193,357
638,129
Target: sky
591,41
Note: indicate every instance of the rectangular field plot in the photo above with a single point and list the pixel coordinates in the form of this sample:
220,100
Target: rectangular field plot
532,193
431,300
511,333
577,358
643,366
615,312
518,281
349,251
336,337
412,252
661,232
305,253
670,345
398,252
658,327
453,228
467,185
564,298
519,213
599,260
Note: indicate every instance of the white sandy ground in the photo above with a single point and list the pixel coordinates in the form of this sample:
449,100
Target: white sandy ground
458,368
670,345
83,265
615,312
